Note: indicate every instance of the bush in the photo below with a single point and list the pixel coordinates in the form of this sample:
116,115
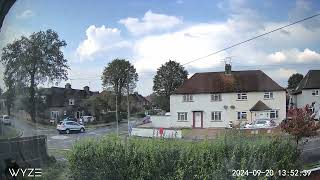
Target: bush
115,158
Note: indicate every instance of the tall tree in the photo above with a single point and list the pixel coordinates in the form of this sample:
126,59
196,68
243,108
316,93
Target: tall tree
300,123
168,78
10,93
35,59
118,74
294,80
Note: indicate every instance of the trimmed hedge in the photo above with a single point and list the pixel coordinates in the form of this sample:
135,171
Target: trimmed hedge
115,158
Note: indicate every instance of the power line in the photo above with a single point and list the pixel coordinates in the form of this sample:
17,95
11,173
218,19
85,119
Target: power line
255,37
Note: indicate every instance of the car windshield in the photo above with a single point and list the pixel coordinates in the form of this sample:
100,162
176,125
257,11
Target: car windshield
159,89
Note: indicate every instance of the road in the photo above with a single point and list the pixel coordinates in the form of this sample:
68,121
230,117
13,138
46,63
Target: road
311,150
65,141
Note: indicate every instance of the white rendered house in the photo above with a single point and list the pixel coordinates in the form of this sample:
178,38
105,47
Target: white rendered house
216,99
307,93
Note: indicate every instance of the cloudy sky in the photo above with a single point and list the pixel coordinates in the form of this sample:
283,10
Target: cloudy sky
150,32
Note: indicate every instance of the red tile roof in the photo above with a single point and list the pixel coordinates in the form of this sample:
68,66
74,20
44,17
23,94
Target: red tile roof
237,81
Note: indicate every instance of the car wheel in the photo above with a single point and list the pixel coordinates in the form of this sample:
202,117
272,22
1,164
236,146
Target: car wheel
67,131
82,130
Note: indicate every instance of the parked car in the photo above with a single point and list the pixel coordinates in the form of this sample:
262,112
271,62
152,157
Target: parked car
261,123
69,126
70,119
6,120
87,118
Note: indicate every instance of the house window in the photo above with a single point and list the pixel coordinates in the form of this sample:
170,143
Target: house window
216,116
315,92
242,115
274,114
182,116
215,97
71,102
242,96
268,95
187,98
54,114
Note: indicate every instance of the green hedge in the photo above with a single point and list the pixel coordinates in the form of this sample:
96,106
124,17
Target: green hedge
115,158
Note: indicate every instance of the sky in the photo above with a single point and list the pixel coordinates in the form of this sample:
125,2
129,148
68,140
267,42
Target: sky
148,33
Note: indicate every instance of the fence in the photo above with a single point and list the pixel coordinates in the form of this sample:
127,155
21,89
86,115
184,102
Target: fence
25,151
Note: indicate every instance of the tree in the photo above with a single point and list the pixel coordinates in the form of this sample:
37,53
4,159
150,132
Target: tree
35,59
300,123
168,78
294,80
119,74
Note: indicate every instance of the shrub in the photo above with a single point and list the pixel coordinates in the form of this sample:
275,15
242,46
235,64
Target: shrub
115,158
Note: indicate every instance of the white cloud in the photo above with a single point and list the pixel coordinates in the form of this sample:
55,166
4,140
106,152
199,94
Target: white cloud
150,22
285,73
308,55
277,57
25,14
100,40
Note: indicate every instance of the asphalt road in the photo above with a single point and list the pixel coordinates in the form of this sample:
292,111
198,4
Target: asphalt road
311,150
65,141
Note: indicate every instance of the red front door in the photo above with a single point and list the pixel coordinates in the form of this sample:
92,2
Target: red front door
198,119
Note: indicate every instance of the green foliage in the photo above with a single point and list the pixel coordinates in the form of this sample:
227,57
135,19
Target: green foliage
33,60
115,158
168,78
294,80
119,74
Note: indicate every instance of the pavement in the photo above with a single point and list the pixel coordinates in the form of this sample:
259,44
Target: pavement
311,150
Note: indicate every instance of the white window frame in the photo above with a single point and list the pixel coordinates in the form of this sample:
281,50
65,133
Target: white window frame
71,102
54,114
187,98
315,92
268,95
242,96
275,112
241,114
182,116
216,97
216,116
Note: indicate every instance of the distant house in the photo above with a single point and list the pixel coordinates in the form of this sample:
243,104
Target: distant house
307,92
64,102
216,99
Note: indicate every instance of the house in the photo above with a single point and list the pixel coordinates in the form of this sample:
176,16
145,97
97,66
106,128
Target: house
64,102
307,92
216,99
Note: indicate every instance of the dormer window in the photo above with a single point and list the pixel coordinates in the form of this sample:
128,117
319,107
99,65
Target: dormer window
242,96
315,92
268,95
71,102
187,98
215,97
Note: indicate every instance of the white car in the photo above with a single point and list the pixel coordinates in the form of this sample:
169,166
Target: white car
6,120
87,118
261,123
68,126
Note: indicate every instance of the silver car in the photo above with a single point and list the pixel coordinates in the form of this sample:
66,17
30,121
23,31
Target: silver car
6,120
68,126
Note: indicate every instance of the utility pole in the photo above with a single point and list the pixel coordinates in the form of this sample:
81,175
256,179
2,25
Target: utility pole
117,115
128,103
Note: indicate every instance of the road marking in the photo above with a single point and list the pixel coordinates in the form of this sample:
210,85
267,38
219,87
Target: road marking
311,149
59,137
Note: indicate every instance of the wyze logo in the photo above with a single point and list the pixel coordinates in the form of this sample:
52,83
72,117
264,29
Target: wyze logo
28,172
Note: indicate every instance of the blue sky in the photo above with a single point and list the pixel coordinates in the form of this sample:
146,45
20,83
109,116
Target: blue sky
149,32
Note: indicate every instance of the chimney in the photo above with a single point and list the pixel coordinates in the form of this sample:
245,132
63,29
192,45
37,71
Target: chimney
227,68
68,86
86,88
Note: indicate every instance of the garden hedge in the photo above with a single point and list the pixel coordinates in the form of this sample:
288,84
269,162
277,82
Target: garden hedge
132,158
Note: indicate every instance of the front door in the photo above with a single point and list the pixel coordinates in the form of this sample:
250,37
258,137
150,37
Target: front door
197,119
